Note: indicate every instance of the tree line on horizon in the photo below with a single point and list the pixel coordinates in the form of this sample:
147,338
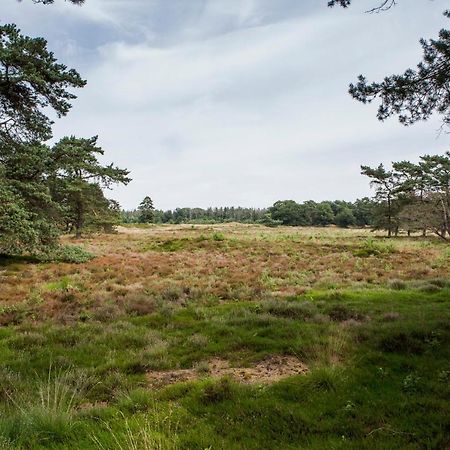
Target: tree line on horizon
47,190
409,197
286,212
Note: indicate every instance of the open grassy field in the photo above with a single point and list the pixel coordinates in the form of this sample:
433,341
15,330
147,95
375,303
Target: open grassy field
229,337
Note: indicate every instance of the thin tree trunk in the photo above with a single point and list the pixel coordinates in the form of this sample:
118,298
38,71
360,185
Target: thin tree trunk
79,222
389,217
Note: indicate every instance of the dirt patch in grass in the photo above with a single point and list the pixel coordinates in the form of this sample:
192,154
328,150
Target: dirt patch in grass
269,370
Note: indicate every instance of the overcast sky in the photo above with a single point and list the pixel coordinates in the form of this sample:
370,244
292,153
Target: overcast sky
235,102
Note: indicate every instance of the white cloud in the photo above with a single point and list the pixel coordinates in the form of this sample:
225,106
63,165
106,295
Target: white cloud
227,102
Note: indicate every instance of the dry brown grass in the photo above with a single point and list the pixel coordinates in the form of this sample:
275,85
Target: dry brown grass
138,267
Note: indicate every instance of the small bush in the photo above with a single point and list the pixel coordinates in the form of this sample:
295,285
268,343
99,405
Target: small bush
398,285
323,379
140,305
372,248
217,392
172,294
403,342
339,313
67,254
289,309
440,282
429,288
218,236
268,221
202,368
171,245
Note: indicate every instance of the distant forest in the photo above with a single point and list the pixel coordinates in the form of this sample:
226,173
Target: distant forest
286,212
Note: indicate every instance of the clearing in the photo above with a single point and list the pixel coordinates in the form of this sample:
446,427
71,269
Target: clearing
228,337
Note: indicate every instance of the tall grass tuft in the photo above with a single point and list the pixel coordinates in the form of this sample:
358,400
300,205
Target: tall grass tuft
329,349
155,431
47,412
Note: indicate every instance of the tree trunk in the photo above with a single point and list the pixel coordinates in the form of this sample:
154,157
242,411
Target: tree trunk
389,217
79,222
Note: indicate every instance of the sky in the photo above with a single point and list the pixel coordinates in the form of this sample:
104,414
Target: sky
235,102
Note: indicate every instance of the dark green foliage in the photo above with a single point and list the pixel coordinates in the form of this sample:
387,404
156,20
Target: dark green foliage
43,188
345,218
323,215
27,210
268,221
67,254
286,212
413,197
17,231
289,212
30,80
363,211
200,215
386,188
416,94
310,213
77,180
146,211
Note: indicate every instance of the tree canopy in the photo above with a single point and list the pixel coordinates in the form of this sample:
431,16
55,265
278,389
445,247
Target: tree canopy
77,179
146,210
413,196
417,93
44,190
31,79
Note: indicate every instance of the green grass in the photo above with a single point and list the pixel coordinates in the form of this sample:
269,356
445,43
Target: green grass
378,359
368,316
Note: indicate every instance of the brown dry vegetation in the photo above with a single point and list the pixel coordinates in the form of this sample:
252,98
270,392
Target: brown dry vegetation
228,336
139,267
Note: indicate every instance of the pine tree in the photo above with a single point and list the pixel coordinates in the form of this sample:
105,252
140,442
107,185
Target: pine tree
78,178
146,211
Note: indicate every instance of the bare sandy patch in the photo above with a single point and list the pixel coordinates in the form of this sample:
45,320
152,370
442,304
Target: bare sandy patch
269,370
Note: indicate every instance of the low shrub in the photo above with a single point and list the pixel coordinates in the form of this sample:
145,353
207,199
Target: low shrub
67,254
218,236
398,285
139,304
289,309
217,391
404,342
340,313
372,248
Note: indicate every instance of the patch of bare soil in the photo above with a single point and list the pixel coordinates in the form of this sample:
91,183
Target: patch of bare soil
269,370
127,230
